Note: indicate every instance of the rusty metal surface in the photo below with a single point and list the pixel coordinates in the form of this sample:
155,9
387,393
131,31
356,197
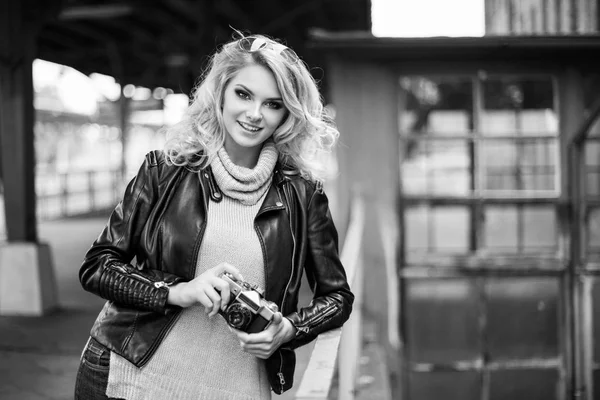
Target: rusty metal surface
442,320
531,384
522,318
445,385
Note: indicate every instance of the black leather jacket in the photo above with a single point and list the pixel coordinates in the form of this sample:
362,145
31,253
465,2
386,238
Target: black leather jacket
160,222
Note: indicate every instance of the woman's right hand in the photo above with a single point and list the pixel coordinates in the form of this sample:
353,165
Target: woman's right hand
208,289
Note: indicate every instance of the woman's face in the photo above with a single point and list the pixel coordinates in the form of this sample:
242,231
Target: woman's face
252,111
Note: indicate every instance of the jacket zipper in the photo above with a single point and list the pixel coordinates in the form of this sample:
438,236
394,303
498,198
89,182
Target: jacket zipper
280,373
156,284
293,245
170,324
159,339
260,238
286,194
318,319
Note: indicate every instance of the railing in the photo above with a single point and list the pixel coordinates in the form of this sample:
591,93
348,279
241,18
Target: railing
75,193
340,348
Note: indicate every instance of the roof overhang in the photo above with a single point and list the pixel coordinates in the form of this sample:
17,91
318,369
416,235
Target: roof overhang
363,47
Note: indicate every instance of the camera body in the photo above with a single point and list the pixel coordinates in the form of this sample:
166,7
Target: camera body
247,309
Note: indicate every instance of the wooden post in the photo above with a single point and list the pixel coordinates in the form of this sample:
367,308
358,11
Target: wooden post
26,276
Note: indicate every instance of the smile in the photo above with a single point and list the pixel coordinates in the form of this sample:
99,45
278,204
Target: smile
248,127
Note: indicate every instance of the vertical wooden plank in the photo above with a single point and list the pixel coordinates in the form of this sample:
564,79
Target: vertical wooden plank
566,10
17,49
551,16
594,16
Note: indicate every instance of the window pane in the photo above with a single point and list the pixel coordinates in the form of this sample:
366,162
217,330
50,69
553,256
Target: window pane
451,229
443,229
416,233
539,228
594,230
595,128
592,167
500,229
522,318
519,229
442,321
437,168
435,105
518,105
518,164
592,184
591,88
592,153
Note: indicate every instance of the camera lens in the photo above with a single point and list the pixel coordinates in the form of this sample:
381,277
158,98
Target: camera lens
238,316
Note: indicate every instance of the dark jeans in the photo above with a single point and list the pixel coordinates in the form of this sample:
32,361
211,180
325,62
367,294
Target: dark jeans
92,376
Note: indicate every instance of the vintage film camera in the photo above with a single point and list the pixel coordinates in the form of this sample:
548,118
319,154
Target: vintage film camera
247,310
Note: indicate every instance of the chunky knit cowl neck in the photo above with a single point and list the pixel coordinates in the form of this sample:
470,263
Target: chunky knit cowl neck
247,185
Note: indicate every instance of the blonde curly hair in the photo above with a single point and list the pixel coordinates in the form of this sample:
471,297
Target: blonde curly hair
306,135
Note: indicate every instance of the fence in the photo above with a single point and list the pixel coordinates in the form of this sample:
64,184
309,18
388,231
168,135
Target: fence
340,348
75,193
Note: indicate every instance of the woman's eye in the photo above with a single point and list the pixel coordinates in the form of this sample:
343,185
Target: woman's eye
242,94
274,105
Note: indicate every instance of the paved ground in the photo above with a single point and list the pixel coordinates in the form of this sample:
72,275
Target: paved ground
39,355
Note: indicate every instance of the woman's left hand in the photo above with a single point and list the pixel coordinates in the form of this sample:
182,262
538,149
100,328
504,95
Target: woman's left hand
263,344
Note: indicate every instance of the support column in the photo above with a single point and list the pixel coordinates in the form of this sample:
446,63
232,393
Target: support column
124,113
27,284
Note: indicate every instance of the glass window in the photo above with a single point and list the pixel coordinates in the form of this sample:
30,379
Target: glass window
437,168
594,230
436,106
469,139
591,88
519,229
518,106
540,230
595,129
443,229
592,166
519,165
500,229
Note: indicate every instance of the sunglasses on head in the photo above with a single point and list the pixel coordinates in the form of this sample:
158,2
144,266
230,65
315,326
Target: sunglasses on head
253,44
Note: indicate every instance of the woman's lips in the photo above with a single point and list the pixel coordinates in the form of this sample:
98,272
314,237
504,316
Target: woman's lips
249,127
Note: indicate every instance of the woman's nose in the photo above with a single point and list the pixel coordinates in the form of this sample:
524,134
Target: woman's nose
254,114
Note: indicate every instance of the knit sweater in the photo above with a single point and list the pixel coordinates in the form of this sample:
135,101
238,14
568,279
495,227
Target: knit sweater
200,358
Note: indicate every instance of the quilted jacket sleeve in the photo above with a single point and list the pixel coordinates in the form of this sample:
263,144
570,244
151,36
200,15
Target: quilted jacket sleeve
106,270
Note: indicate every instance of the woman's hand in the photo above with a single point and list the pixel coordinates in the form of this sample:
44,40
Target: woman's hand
207,289
263,344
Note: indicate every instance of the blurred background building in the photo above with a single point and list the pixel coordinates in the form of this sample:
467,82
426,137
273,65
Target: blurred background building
477,158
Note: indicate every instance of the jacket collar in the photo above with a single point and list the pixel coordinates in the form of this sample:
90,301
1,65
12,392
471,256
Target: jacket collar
272,201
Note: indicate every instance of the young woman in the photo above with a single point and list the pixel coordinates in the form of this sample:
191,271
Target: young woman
236,190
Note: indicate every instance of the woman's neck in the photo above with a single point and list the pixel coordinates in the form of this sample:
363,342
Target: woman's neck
243,156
